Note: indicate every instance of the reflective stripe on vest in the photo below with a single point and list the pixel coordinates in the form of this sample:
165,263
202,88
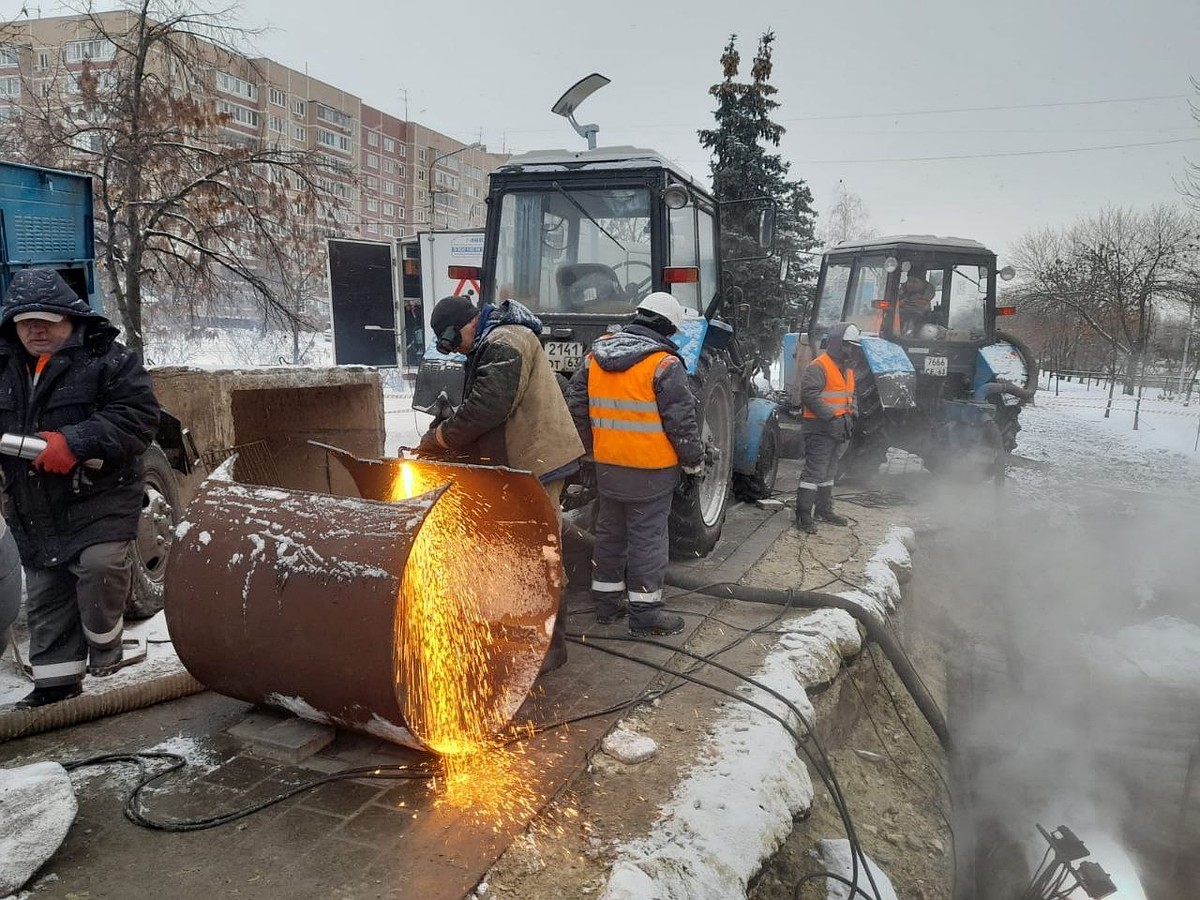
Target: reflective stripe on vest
626,427
839,388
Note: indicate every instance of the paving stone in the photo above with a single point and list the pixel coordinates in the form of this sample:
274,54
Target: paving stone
290,741
241,772
256,722
342,798
376,826
296,826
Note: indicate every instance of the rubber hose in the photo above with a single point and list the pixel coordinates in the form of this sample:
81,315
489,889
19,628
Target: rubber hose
679,577
87,707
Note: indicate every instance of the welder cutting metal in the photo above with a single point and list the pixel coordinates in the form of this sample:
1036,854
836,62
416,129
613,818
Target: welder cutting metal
512,413
635,410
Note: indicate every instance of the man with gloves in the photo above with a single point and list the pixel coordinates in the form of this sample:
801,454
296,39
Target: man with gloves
634,408
512,412
827,393
65,378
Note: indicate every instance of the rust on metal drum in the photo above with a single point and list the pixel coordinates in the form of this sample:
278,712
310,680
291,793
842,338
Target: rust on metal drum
297,599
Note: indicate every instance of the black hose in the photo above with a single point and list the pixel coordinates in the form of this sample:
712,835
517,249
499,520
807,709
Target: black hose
689,580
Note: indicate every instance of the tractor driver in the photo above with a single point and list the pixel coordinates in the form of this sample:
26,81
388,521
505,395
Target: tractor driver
915,302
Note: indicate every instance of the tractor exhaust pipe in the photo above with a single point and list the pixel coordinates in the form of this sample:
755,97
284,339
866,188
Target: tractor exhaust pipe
385,610
697,582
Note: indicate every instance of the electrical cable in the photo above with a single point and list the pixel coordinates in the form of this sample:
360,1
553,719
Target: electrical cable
855,889
820,762
135,813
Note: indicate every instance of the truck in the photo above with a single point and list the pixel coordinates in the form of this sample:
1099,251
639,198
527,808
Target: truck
46,220
936,376
580,237
433,265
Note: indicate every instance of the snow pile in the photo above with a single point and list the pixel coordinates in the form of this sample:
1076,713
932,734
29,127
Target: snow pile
735,809
836,858
37,807
628,746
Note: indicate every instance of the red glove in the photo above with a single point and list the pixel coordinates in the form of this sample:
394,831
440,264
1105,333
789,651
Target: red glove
57,457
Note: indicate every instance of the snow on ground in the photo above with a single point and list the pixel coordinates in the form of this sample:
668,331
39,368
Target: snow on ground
37,807
836,857
1070,431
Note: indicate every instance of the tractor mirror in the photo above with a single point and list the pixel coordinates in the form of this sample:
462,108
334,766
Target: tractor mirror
766,229
1008,273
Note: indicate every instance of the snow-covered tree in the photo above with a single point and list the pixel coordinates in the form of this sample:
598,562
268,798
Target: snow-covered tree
763,305
847,218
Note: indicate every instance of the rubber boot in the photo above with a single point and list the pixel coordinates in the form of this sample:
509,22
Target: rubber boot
805,497
43,696
557,654
825,507
102,663
610,606
649,620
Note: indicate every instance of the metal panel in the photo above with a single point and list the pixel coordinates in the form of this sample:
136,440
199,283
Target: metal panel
361,297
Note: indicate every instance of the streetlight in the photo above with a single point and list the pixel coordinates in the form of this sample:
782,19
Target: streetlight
429,177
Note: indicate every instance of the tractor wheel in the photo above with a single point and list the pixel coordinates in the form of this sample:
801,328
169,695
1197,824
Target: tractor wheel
156,532
697,517
760,484
869,446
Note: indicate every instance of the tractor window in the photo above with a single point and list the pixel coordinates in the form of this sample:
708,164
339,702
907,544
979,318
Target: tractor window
708,257
833,295
575,251
866,294
683,253
968,295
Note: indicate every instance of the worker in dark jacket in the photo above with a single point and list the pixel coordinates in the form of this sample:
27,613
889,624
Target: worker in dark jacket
636,412
830,407
75,507
512,413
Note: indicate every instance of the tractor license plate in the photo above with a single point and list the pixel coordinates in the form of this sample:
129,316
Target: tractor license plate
935,365
565,356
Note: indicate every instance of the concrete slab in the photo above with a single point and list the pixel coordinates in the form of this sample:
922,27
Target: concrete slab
289,741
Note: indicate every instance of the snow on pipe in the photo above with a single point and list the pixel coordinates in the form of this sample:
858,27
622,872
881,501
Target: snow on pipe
698,582
364,611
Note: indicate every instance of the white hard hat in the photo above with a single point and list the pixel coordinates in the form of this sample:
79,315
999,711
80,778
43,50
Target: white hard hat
663,304
852,335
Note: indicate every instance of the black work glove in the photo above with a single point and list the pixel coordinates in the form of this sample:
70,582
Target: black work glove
429,445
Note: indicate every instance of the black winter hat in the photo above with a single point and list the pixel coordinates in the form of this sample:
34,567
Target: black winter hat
452,312
43,290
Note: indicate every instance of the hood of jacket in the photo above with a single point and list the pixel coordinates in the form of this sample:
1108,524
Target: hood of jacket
835,346
625,348
44,290
507,312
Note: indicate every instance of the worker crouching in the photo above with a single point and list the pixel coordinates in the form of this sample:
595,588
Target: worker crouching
830,408
636,412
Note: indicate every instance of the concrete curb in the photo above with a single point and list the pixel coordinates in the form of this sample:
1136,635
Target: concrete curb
694,852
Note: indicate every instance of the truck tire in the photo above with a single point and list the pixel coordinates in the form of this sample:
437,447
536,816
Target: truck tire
760,484
156,533
869,447
698,516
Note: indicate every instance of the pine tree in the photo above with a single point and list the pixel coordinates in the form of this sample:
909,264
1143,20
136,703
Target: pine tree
762,305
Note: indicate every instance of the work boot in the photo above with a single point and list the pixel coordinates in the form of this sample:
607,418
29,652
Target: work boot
649,620
43,696
805,497
557,654
610,606
104,662
825,507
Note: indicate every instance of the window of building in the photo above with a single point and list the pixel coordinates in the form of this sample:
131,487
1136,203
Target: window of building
236,86
243,115
388,231
389,210
42,61
277,123
299,133
389,145
278,97
420,174
403,151
400,191
389,187
389,166
334,117
337,141
421,154
299,108
372,139
400,170
372,205
9,57
372,161
372,228
400,213
101,50
372,183
10,86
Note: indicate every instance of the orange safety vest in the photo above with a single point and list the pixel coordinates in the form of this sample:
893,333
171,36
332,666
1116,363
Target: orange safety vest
839,388
626,427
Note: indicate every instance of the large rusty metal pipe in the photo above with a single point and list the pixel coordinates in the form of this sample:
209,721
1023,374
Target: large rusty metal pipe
312,602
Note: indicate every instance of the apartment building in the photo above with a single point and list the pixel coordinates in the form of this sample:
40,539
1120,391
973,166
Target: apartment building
401,176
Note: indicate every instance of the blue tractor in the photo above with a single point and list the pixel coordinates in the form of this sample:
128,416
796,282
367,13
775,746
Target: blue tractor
580,238
936,377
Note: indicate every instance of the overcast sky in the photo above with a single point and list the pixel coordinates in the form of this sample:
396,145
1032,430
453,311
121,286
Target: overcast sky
856,82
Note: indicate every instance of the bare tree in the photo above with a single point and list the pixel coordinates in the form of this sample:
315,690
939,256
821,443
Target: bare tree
847,219
1113,273
192,192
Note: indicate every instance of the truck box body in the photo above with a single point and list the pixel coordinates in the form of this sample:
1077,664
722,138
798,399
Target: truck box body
425,260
